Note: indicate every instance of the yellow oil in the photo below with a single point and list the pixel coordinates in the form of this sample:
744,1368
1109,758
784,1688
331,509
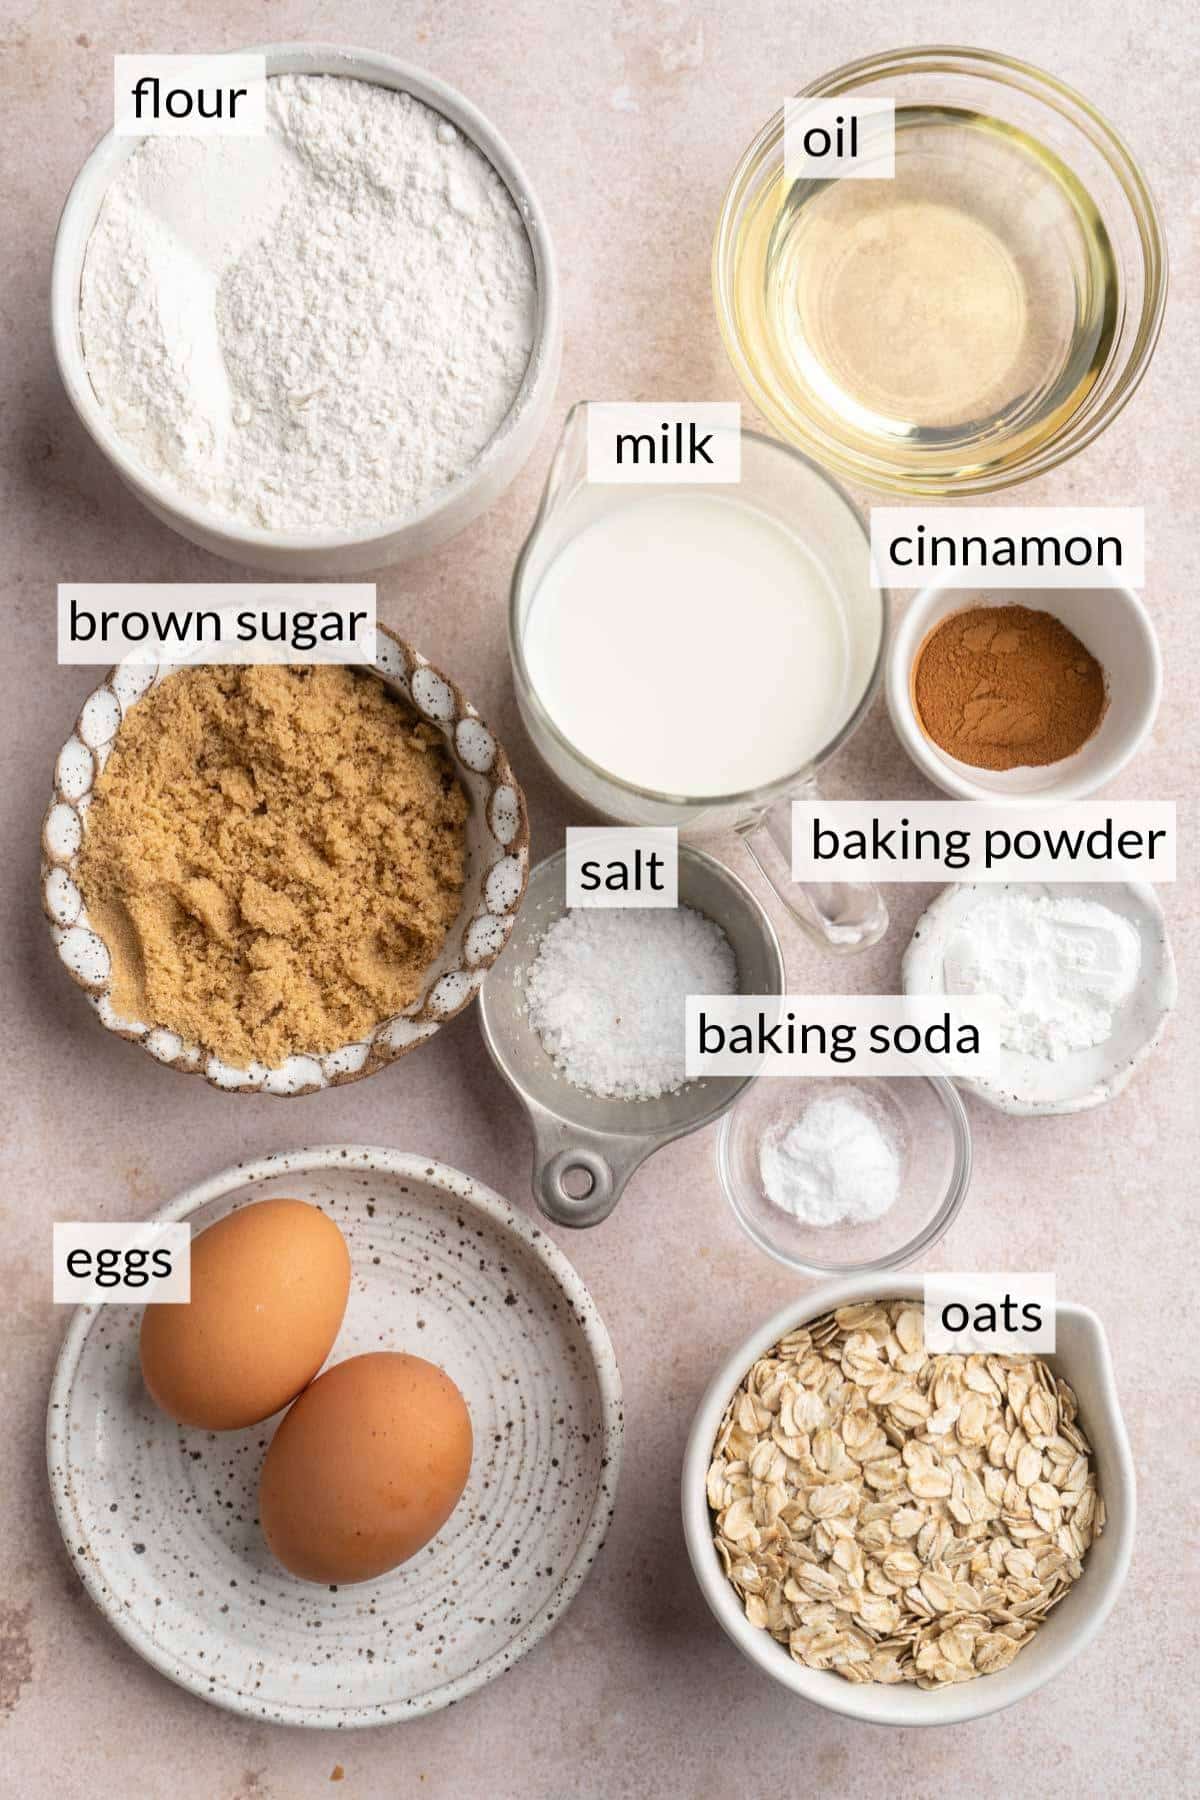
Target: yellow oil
924,330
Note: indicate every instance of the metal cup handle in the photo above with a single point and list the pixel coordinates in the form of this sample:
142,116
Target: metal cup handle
601,1164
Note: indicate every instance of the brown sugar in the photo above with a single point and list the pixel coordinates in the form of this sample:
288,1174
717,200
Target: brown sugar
274,857
1005,687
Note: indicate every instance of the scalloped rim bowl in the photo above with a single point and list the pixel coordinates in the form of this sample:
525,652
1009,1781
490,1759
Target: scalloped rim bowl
324,552
497,870
1084,1360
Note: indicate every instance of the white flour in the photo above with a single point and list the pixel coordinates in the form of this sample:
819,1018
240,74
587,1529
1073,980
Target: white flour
1062,966
321,327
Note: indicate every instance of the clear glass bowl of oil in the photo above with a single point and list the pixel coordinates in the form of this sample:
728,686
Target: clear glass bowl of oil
972,321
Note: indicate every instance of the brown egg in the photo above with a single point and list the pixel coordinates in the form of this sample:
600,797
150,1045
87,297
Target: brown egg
367,1466
269,1288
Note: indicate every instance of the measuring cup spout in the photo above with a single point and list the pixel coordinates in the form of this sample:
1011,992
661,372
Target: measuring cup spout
840,915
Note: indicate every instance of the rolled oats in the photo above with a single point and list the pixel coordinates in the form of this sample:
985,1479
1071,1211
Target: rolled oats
893,1516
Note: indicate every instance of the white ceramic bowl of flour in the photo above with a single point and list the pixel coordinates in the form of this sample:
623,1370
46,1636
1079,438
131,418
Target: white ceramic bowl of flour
1090,977
322,549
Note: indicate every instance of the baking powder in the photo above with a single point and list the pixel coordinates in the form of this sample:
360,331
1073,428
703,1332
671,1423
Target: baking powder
321,327
1063,966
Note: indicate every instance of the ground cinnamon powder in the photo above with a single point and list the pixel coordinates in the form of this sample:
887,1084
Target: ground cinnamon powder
1004,687
274,857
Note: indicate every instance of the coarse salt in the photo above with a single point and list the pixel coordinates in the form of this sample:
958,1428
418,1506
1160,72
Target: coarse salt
607,993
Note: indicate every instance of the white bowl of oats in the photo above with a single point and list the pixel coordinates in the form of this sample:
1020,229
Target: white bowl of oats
904,1538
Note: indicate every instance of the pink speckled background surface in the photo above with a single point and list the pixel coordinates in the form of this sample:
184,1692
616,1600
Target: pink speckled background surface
629,117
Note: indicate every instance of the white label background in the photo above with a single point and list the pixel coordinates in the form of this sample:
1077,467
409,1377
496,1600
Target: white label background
609,419
286,601
212,73
619,843
860,1011
991,522
876,159
975,820
971,1290
143,1235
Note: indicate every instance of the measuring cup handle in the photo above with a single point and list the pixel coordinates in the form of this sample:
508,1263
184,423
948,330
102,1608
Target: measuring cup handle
840,915
606,1164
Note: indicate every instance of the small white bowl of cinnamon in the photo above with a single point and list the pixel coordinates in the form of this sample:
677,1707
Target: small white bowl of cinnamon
1023,695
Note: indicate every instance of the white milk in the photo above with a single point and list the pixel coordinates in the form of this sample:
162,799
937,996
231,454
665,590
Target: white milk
689,644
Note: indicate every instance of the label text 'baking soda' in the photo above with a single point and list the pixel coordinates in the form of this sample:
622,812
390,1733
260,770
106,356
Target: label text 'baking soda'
926,840
828,1034
1008,546
217,622
190,96
632,442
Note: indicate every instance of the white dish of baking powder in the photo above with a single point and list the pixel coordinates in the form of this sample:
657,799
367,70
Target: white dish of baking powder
1085,973
319,328
1064,968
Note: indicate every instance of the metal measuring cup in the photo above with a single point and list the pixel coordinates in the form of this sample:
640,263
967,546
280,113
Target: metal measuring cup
585,1147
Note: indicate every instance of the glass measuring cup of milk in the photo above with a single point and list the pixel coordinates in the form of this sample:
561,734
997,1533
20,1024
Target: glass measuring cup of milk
690,655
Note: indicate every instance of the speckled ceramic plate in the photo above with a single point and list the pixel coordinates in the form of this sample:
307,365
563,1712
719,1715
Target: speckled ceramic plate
161,1521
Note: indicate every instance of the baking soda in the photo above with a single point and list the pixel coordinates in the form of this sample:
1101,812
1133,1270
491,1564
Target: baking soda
835,1165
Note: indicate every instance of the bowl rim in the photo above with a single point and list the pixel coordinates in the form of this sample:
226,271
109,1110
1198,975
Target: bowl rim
611,1153
873,1702
199,1059
451,1182
930,1234
1039,84
383,70
909,635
